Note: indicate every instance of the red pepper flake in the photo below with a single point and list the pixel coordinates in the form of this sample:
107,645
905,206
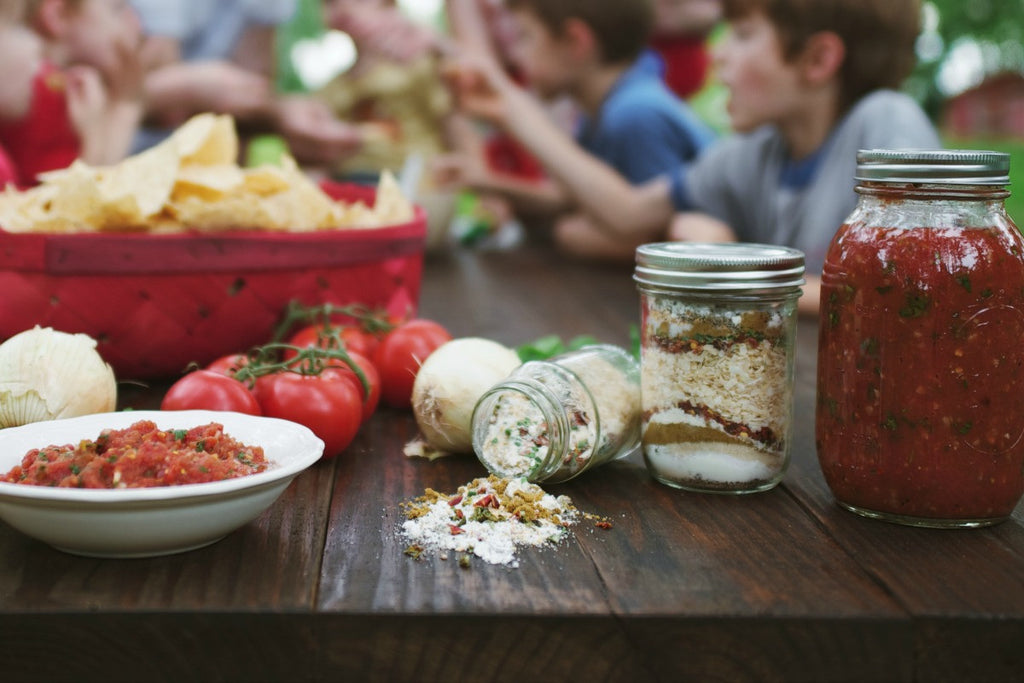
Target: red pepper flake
455,500
459,513
456,530
490,500
603,524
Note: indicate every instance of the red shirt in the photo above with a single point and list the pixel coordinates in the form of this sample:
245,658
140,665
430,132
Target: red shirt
44,139
686,62
505,155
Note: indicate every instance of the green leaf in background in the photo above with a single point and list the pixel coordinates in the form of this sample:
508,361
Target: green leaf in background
541,349
634,341
580,341
551,345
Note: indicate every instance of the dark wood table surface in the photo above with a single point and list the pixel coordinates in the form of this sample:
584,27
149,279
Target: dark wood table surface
776,586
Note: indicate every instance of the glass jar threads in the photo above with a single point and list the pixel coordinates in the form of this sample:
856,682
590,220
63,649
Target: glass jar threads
717,330
920,395
552,420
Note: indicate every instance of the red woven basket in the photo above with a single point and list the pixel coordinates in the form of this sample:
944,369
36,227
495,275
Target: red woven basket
156,303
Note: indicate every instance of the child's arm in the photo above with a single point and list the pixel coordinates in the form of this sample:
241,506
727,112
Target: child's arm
124,106
176,91
88,105
623,209
811,298
123,119
470,28
466,170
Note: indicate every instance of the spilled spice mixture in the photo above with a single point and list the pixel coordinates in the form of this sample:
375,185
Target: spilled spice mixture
488,518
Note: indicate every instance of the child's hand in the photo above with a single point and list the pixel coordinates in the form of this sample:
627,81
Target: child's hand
457,171
220,86
480,88
313,133
385,32
125,78
103,138
87,101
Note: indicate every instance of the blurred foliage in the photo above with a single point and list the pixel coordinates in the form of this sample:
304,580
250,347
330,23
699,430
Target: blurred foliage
995,26
307,22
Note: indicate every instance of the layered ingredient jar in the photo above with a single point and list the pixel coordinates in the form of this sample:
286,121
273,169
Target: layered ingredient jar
552,420
920,393
718,325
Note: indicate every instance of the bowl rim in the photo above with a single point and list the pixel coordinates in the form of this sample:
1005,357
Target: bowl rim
310,451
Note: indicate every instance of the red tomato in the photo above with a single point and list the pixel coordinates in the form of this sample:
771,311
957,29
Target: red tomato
400,354
210,390
353,337
371,399
329,404
227,365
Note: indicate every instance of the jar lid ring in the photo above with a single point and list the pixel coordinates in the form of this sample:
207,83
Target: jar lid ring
938,166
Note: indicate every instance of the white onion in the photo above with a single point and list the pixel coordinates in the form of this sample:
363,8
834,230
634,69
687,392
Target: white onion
450,382
46,375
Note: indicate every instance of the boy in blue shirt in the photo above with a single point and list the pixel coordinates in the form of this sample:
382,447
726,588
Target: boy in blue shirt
594,52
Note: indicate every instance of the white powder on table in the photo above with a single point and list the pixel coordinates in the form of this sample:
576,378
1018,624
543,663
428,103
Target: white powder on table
488,518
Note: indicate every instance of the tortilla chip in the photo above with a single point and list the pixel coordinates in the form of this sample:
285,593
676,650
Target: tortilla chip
210,183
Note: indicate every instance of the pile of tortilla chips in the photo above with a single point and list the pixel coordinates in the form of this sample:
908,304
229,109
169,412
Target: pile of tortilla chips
191,181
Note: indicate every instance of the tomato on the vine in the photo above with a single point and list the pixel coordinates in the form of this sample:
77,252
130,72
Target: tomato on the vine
400,354
353,337
370,393
229,364
329,404
210,390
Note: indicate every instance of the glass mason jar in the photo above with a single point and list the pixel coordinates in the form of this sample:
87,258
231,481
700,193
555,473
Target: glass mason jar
717,332
551,420
920,396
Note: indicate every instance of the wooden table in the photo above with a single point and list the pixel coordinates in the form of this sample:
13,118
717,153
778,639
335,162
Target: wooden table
782,585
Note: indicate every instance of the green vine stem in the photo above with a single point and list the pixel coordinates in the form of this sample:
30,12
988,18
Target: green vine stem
374,321
309,361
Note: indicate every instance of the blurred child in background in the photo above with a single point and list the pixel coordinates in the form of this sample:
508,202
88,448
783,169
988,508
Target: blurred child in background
83,99
810,83
487,30
218,56
595,52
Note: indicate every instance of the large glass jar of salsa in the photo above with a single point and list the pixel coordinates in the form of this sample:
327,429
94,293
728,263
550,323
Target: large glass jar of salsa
920,394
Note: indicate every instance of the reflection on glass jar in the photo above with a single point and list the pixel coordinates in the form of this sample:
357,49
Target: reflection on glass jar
718,323
921,343
551,420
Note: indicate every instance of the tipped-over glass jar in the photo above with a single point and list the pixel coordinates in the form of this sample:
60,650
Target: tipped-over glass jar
921,343
717,328
551,420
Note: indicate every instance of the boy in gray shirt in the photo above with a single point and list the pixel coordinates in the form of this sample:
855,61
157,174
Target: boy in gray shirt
752,185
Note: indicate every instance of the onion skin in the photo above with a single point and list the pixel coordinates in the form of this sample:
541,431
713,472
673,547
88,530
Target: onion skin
448,385
47,375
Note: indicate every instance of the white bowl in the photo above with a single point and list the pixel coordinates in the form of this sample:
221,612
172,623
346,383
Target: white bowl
143,522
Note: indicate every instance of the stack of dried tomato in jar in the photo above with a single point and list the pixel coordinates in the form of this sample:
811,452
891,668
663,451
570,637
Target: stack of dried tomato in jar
920,405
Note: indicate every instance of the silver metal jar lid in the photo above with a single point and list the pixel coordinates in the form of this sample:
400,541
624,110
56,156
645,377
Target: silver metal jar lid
726,266
941,166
